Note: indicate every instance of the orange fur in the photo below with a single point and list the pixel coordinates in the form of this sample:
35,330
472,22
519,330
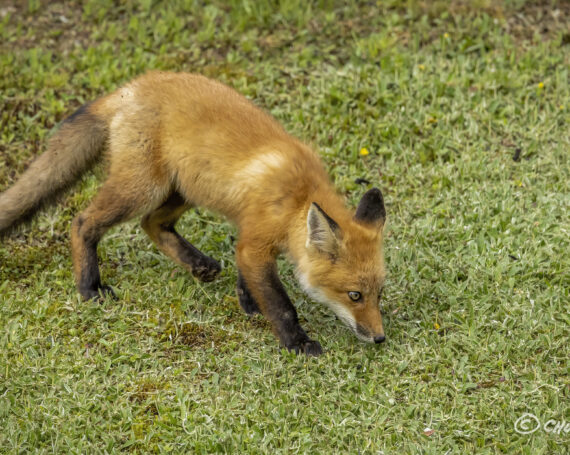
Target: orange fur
177,140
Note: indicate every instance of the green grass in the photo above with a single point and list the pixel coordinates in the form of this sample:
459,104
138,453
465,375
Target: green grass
477,303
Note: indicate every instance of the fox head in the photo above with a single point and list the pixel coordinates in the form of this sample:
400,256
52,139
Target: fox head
344,264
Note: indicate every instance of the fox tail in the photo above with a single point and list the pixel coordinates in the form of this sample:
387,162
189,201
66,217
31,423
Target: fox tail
71,151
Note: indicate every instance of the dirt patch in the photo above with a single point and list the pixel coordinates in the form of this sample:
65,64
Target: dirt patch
142,391
198,335
56,26
543,19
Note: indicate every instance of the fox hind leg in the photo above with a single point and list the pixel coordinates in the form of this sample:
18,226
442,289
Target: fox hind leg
159,225
112,205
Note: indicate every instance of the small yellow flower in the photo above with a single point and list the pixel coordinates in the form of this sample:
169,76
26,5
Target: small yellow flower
421,67
432,120
436,326
541,85
446,35
561,107
364,151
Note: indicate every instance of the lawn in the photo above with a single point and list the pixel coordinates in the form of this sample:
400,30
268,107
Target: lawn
463,108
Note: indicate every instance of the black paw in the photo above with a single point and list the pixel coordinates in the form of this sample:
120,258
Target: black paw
309,347
100,293
207,270
247,302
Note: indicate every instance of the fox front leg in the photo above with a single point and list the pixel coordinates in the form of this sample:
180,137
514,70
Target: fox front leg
259,274
246,300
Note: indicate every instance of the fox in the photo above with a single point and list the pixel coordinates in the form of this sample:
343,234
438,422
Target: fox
174,141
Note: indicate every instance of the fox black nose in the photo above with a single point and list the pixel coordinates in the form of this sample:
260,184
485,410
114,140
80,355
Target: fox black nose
379,339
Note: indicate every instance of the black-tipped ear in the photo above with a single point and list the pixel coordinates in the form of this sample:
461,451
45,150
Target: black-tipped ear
322,231
371,208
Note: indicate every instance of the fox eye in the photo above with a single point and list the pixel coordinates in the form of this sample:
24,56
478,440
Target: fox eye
355,296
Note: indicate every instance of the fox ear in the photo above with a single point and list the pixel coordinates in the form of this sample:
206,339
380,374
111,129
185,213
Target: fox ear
371,209
323,233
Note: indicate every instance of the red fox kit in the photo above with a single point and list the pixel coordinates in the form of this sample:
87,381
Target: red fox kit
175,141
